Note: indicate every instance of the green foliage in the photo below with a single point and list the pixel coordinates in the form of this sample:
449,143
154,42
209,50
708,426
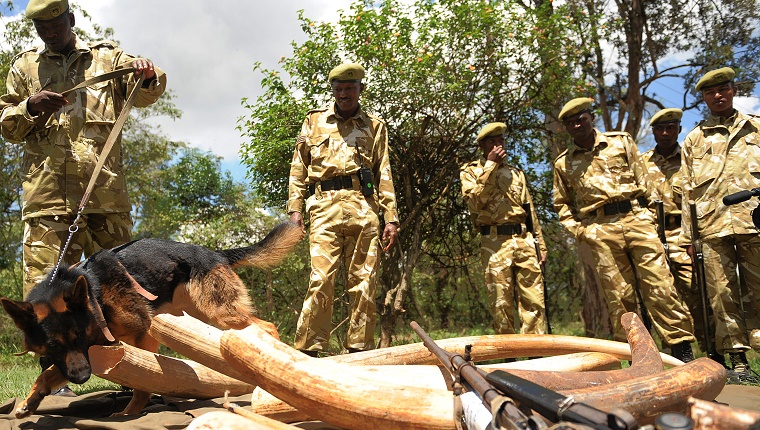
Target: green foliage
436,73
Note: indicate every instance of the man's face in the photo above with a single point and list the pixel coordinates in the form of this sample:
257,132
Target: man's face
666,134
490,142
579,126
720,98
56,32
347,94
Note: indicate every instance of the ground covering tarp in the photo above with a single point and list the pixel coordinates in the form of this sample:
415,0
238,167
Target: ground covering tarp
92,411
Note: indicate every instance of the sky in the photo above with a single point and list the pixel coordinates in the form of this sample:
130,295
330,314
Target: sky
208,50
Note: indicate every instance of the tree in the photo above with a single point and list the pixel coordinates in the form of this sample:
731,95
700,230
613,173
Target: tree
437,73
634,44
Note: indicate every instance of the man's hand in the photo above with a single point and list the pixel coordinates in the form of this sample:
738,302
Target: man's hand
298,219
497,154
389,236
690,251
143,67
45,101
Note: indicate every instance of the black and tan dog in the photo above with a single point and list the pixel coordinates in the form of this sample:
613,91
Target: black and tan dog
114,294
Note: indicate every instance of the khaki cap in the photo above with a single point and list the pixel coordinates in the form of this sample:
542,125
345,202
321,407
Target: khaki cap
667,115
492,129
576,106
715,77
346,72
44,10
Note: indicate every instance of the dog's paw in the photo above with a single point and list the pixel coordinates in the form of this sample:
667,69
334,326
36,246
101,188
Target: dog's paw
22,411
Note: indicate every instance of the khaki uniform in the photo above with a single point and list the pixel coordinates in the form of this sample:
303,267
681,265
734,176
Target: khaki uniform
61,149
344,223
494,195
665,174
721,156
625,244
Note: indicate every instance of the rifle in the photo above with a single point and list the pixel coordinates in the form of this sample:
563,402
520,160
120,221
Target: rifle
550,404
531,229
698,277
508,415
660,210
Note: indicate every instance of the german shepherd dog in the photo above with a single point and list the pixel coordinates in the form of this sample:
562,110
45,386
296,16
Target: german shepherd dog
107,298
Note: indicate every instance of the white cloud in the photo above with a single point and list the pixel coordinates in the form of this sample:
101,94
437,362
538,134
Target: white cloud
207,50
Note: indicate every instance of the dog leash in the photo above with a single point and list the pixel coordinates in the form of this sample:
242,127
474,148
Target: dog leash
73,228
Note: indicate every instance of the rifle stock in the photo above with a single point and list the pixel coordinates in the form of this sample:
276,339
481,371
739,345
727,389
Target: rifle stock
698,277
509,416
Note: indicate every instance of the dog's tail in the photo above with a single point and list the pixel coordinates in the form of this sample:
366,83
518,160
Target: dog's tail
270,251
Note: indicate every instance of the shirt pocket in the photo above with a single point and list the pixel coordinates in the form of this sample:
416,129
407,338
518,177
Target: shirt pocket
319,148
618,167
703,171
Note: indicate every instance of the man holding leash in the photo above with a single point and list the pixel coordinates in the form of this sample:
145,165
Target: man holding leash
341,171
63,137
496,193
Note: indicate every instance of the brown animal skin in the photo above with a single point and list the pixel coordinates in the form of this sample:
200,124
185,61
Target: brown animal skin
59,319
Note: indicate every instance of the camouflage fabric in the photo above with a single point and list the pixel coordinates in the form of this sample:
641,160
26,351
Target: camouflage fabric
344,224
584,181
625,247
494,194
61,149
721,156
326,148
45,236
733,324
665,174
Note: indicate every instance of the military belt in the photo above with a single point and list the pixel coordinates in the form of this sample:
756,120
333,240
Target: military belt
672,221
502,230
622,206
336,183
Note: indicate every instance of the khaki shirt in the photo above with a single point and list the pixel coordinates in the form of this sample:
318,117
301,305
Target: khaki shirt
495,194
721,156
326,148
586,179
62,149
665,174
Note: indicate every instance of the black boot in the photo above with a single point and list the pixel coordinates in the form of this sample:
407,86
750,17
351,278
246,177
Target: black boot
740,372
682,351
719,358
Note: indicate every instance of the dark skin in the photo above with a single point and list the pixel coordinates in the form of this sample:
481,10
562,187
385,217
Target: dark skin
720,100
666,136
581,128
493,148
58,37
346,95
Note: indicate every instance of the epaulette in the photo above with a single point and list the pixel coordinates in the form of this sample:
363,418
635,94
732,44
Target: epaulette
321,109
99,43
26,51
616,133
561,154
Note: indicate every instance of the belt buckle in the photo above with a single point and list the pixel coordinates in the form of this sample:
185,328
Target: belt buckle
624,206
346,182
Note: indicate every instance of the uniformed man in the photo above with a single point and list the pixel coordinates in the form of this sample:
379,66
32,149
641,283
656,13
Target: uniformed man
664,170
341,169
495,192
721,156
64,135
601,193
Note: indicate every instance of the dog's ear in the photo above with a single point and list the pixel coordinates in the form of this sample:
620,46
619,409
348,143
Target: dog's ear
77,296
22,313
